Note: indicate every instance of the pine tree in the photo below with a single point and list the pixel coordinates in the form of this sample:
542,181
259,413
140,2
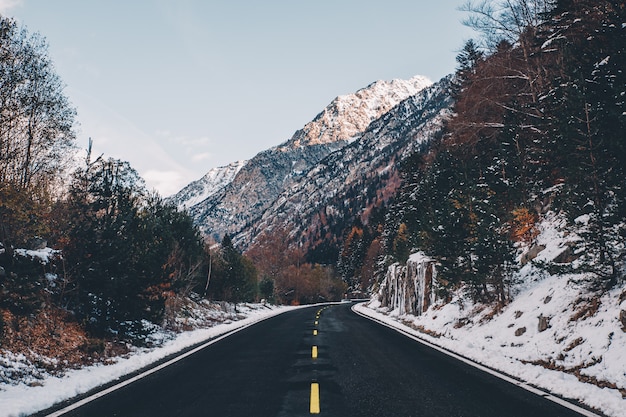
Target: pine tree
126,252
238,274
587,101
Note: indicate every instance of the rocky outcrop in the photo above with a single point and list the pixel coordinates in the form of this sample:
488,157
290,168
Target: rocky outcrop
409,289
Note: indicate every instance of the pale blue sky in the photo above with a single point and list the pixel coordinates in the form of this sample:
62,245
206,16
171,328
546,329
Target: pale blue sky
177,87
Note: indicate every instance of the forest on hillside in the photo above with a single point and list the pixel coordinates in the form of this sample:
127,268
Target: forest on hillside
538,124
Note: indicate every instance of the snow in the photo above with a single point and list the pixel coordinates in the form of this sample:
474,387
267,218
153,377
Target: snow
583,336
603,62
348,116
211,183
493,343
43,255
28,398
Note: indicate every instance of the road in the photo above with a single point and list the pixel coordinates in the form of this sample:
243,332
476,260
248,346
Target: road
361,368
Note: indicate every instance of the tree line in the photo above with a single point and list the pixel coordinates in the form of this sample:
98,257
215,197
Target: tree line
120,251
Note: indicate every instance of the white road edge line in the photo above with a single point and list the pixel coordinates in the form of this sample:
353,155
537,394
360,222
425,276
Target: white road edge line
477,365
159,367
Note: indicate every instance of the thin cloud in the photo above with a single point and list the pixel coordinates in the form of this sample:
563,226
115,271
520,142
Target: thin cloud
201,157
166,182
193,142
6,5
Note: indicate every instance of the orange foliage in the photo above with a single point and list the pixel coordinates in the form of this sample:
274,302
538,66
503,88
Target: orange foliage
51,333
523,228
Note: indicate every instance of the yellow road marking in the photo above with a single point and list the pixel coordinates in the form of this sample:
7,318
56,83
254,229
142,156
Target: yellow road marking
315,398
314,352
316,322
315,332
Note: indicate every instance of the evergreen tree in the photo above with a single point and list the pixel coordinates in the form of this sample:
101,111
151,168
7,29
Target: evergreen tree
587,101
235,278
126,252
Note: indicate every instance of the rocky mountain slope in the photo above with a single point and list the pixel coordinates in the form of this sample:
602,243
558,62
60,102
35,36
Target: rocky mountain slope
233,206
212,182
360,175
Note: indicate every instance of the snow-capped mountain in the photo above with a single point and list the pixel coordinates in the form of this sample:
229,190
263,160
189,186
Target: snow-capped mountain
223,206
360,175
346,117
212,182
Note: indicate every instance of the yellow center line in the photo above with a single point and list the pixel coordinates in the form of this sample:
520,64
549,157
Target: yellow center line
314,352
315,398
316,322
315,332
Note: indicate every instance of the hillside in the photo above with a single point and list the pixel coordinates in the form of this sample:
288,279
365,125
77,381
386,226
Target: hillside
557,333
211,183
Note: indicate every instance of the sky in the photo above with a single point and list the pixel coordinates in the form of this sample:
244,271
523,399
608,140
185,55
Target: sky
178,87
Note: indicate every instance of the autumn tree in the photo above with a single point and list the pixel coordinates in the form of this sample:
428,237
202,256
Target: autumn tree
36,137
36,132
271,253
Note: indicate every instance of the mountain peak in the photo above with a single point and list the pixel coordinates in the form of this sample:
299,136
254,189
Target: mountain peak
231,200
347,116
211,183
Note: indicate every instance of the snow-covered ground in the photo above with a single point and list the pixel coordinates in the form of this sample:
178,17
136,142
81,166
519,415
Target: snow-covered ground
580,355
27,398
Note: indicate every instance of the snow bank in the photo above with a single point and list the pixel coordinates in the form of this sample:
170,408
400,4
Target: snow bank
23,399
594,346
581,337
555,334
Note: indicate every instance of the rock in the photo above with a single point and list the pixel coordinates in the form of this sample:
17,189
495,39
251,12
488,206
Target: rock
38,243
622,318
532,253
520,331
566,256
544,323
3,273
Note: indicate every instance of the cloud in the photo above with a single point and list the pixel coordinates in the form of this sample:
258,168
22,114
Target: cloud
192,142
6,5
201,157
116,136
166,182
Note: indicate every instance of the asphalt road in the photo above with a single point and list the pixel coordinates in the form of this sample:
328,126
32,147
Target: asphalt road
361,369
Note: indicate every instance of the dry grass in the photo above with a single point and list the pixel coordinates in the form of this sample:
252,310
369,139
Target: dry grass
54,341
577,371
585,308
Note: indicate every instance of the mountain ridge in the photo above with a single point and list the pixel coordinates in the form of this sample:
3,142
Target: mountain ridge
339,188
231,206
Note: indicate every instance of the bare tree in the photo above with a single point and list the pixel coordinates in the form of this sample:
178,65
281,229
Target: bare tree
36,118
499,20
